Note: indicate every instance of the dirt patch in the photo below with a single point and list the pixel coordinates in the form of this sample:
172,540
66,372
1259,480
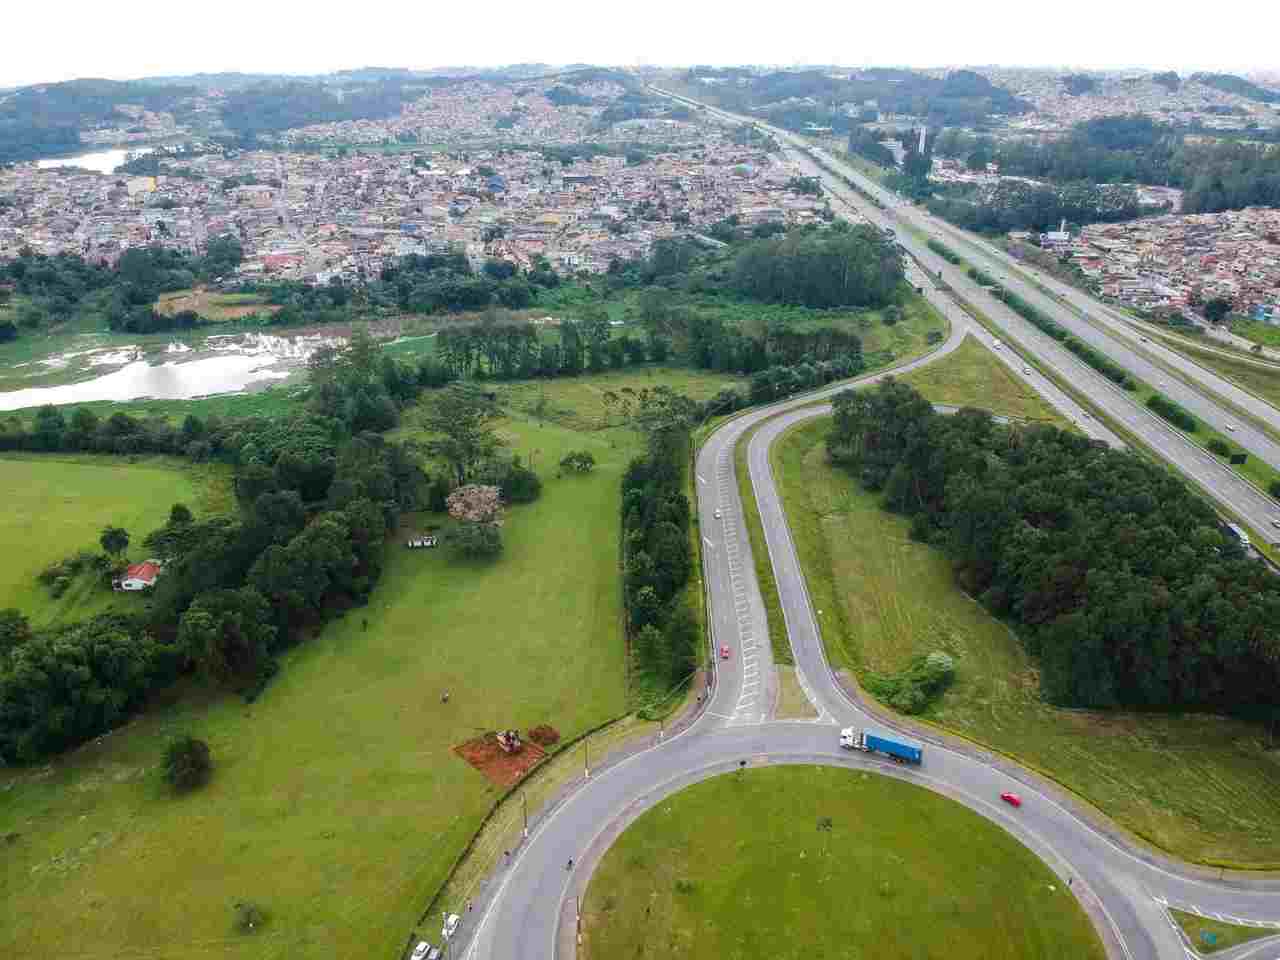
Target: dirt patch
503,769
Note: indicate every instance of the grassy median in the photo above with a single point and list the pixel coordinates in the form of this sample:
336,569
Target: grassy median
1203,787
805,862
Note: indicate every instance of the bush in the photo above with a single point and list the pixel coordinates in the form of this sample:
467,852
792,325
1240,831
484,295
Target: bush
1172,412
544,735
249,916
475,540
1219,446
187,763
1274,489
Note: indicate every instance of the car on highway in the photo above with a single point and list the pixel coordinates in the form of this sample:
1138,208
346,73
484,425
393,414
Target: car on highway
425,951
450,925
1012,799
1231,427
717,513
1275,522
1143,340
1026,370
724,651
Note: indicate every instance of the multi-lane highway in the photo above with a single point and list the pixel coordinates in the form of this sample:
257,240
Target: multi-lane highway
1236,495
531,908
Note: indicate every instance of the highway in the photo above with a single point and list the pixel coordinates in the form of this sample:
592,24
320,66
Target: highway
530,906
1234,494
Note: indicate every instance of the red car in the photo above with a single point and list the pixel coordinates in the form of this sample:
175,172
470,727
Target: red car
724,651
1012,799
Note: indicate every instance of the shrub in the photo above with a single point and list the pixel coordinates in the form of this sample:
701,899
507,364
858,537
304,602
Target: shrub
187,763
475,540
1274,489
1219,446
1172,412
544,735
249,916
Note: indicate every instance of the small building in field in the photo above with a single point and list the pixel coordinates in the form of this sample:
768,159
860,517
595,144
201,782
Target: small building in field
141,576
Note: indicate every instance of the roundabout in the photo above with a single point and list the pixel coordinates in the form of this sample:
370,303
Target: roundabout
532,906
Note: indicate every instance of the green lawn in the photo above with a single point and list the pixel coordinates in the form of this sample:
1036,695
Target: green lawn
971,376
1264,381
1204,788
1257,331
1220,936
337,803
56,506
738,866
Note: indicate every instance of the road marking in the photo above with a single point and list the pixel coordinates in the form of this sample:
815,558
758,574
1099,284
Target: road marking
709,543
700,480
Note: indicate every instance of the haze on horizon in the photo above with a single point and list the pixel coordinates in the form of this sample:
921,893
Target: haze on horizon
139,38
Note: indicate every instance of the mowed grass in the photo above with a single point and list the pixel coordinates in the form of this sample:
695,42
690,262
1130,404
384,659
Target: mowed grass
337,803
1211,936
739,866
1256,330
1204,788
971,376
56,506
1263,381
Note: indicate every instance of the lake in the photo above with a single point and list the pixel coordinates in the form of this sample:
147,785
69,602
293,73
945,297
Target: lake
100,161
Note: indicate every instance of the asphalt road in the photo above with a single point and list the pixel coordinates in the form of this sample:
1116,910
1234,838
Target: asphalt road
1233,492
532,909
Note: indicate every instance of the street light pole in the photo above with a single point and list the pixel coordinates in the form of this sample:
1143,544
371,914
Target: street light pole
524,796
586,763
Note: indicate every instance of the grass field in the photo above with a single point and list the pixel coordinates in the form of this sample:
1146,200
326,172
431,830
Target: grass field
578,402
215,307
741,866
57,505
1205,788
337,803
1257,331
1264,381
1220,936
971,376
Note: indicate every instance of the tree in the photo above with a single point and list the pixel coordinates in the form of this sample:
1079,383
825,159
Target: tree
114,540
475,540
1216,309
187,763
460,416
179,515
476,503
1274,489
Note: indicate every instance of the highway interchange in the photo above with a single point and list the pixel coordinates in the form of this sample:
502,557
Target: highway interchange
530,909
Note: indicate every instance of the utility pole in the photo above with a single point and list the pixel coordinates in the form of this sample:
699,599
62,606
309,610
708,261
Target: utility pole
524,796
586,765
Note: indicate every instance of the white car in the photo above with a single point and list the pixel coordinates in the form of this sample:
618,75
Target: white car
450,925
1231,428
425,951
717,513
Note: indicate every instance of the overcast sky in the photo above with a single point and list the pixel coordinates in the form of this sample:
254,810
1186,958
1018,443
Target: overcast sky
50,41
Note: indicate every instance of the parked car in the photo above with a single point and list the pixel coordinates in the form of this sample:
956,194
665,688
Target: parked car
425,951
1012,799
724,651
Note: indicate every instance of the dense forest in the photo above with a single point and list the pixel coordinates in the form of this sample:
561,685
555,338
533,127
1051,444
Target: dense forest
1019,205
1223,175
793,99
271,107
1116,575
39,120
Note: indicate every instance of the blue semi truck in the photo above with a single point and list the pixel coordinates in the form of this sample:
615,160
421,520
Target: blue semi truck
900,749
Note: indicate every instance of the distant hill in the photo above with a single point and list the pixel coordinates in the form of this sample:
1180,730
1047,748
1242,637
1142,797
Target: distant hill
1230,83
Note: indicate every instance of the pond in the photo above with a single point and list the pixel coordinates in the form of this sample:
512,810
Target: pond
222,363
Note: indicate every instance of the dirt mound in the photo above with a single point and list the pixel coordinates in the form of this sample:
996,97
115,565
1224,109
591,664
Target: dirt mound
503,769
544,735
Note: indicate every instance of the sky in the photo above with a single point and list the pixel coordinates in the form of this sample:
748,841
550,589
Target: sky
135,38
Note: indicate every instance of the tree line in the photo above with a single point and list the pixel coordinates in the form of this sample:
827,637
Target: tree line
57,287
1115,574
657,557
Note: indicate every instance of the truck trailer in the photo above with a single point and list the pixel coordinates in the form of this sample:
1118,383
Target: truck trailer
899,749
